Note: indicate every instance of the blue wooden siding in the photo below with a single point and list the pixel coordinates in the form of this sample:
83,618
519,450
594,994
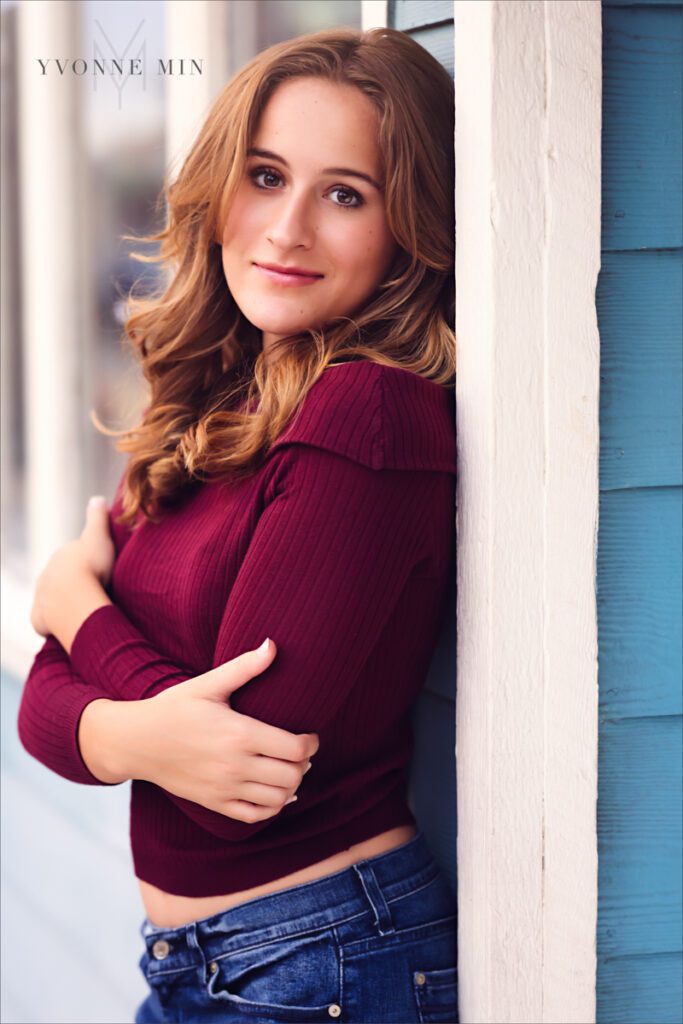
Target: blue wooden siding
430,23
640,311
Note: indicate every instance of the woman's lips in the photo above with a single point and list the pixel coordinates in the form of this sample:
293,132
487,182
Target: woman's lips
288,280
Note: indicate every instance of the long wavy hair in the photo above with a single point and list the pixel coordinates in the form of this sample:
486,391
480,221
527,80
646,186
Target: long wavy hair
200,356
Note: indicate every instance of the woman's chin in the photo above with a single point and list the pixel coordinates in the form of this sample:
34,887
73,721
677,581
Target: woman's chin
279,328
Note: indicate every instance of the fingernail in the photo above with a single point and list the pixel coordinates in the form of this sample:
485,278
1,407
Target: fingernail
264,646
291,800
97,501
310,765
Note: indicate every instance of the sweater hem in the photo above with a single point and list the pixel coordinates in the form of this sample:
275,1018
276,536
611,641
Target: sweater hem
238,866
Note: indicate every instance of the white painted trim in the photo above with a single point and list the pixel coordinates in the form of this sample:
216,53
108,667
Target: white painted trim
373,14
528,143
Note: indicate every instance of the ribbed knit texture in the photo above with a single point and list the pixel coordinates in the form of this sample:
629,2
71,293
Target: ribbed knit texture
339,549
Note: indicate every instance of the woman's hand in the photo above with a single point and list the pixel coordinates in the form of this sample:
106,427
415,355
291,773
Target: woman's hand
189,741
72,584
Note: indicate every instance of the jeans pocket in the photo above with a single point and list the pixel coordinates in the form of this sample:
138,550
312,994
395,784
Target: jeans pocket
436,994
296,979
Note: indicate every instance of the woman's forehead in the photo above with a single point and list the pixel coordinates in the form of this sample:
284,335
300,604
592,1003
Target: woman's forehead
314,118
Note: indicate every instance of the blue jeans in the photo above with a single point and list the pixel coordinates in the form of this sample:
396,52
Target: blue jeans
375,942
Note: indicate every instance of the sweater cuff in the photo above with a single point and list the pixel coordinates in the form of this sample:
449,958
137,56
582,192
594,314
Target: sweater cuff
74,711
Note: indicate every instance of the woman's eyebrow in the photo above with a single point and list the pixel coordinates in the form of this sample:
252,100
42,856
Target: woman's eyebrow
269,155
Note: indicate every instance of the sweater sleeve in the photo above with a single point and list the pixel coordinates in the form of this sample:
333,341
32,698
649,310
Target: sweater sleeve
52,702
55,693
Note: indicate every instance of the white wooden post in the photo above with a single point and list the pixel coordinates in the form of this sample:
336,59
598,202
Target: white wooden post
528,124
373,14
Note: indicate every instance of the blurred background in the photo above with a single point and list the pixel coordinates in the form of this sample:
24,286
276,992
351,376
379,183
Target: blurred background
83,157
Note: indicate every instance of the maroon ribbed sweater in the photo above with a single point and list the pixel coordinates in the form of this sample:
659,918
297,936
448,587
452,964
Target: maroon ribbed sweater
339,548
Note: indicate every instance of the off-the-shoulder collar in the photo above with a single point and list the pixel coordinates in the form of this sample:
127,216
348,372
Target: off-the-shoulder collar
382,416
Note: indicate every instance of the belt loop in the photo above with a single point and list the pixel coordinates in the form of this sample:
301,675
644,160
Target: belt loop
194,944
375,896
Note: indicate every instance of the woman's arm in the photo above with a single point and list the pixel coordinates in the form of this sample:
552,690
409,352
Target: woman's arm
327,563
53,699
188,740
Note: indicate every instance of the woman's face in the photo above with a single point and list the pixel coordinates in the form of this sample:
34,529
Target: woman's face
311,200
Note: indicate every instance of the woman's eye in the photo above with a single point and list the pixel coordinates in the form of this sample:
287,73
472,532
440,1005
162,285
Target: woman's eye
349,192
267,171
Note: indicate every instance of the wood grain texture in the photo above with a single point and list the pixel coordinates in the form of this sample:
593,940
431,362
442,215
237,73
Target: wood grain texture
642,115
641,990
639,586
640,602
640,907
640,309
528,107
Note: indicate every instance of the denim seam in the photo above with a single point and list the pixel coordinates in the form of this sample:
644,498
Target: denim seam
412,892
305,931
340,950
281,938
171,970
402,932
320,928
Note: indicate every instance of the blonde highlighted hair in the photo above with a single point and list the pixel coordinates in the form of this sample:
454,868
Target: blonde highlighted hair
200,356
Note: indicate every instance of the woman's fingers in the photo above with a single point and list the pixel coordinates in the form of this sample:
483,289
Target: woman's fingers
274,742
271,771
97,515
265,796
96,542
240,810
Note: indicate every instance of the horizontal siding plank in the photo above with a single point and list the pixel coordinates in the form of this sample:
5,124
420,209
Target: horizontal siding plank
639,302
641,3
642,151
640,990
440,42
640,602
409,14
433,759
640,904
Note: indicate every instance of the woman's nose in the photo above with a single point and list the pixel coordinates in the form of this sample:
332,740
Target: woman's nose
292,222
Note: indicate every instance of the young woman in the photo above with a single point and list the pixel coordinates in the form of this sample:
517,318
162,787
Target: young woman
292,479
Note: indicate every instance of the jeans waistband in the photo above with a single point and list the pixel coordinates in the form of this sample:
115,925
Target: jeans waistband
373,884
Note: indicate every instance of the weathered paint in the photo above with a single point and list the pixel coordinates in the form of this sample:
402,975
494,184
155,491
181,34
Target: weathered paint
528,105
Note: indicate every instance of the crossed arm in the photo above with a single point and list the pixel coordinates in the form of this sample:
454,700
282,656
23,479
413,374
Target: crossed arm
328,560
